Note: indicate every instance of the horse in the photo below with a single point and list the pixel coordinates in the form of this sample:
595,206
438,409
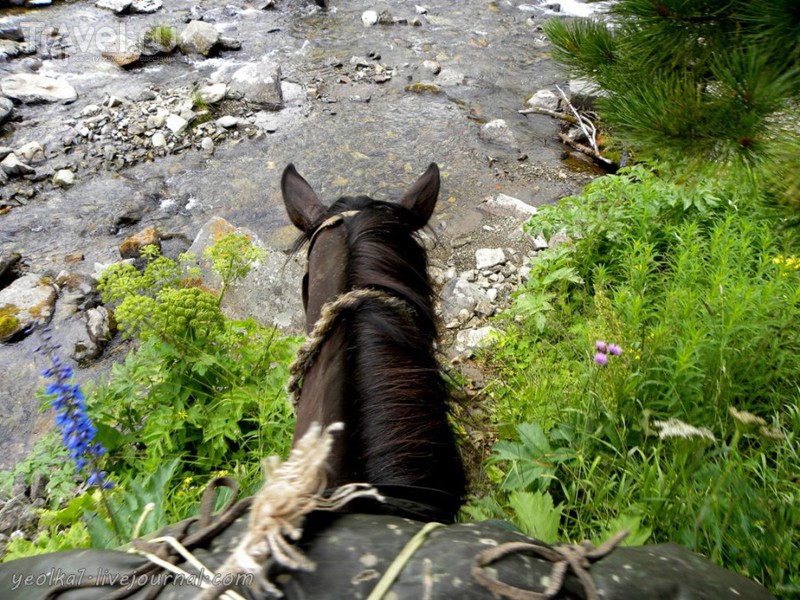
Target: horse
371,323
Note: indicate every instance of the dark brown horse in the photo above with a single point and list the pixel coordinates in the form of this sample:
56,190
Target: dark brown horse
373,367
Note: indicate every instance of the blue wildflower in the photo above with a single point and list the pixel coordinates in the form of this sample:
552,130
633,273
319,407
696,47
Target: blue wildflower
78,432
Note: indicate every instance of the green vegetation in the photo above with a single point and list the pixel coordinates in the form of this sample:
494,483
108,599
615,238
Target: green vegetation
697,84
200,396
688,436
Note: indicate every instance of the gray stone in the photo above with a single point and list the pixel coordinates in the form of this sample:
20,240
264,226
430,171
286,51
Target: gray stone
498,132
543,99
146,6
63,178
12,165
470,340
198,38
30,152
116,6
270,292
122,52
27,302
486,258
508,206
11,31
6,108
432,66
211,94
176,124
207,144
158,140
227,121
267,121
459,295
32,88
260,84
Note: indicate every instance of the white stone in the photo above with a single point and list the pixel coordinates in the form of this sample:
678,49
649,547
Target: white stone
369,17
30,152
207,144
115,6
158,140
211,94
31,88
544,99
198,38
12,165
176,124
259,83
503,205
486,258
227,121
63,178
474,339
146,6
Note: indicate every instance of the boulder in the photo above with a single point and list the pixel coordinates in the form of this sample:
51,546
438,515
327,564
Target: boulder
118,7
459,296
270,293
132,247
198,38
12,165
6,108
211,94
260,84
146,6
31,88
27,302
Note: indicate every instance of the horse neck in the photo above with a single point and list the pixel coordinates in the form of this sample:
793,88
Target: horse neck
377,373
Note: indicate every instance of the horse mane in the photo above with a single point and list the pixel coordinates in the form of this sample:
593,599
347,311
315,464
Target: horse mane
396,396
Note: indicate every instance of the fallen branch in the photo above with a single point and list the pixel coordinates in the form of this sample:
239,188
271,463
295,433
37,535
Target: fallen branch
606,163
550,113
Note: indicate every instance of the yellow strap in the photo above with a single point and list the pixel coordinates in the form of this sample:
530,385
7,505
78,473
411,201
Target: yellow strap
401,560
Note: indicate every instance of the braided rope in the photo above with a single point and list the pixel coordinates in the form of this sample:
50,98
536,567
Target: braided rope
329,315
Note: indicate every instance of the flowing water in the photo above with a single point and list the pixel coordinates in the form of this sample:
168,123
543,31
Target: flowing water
344,134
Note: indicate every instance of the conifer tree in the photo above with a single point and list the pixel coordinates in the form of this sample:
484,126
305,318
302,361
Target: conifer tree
706,82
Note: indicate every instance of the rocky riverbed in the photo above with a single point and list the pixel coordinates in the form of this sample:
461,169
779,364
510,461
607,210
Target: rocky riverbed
122,117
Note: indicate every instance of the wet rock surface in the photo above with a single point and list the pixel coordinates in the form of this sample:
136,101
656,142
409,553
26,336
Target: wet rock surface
99,149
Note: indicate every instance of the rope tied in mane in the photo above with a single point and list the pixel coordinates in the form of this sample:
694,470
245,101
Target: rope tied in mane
330,314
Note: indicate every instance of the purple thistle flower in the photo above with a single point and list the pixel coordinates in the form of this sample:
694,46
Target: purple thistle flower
601,358
601,346
614,349
78,432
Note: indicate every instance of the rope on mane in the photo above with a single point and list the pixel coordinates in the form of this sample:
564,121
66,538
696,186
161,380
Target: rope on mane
291,490
331,311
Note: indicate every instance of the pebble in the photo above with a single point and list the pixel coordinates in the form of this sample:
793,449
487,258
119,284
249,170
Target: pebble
63,178
176,124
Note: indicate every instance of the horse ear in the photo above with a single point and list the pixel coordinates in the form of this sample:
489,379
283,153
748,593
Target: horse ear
302,204
421,197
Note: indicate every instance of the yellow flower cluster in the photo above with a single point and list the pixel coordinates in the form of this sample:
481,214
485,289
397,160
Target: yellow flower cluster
787,262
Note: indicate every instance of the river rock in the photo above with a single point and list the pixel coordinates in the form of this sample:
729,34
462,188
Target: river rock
227,121
146,6
12,165
498,132
63,178
583,93
176,124
116,6
122,53
6,108
198,38
432,66
270,293
32,88
369,17
76,290
260,84
211,94
11,31
27,302
486,258
469,340
132,247
543,99
459,297
30,152
508,206
158,140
